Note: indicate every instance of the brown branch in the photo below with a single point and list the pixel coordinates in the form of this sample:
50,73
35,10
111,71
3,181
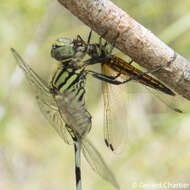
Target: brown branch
135,40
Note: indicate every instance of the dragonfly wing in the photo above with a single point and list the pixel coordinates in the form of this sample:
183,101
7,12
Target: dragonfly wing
44,98
175,103
97,163
37,83
74,113
115,112
51,113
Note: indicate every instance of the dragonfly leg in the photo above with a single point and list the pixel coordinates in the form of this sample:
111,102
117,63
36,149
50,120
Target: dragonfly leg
100,45
130,62
97,59
106,78
106,43
89,37
141,74
101,58
111,79
113,43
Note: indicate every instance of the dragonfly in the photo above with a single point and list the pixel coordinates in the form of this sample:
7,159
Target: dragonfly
62,103
116,71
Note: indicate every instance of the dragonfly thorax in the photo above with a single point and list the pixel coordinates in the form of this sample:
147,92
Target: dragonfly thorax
94,50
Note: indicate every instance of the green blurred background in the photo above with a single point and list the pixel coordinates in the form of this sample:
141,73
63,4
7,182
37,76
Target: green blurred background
33,157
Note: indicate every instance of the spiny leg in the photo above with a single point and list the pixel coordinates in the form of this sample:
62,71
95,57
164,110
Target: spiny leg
106,78
111,79
141,74
113,44
106,43
89,37
103,55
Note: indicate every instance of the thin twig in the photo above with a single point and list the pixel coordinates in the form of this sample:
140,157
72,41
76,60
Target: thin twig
134,40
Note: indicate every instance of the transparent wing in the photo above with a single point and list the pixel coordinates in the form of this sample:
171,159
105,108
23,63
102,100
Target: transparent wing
74,113
115,112
51,113
44,98
175,103
97,163
158,89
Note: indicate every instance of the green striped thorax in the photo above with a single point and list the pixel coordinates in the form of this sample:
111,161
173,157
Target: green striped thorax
70,72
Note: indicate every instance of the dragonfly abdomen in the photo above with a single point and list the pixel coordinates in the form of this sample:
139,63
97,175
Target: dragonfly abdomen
121,66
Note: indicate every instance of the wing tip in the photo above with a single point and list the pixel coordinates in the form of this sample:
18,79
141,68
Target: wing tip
16,55
13,51
109,145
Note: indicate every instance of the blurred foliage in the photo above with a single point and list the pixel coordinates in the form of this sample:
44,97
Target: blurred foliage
32,156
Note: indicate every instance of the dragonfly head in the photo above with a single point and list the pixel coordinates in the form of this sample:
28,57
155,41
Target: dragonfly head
63,49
